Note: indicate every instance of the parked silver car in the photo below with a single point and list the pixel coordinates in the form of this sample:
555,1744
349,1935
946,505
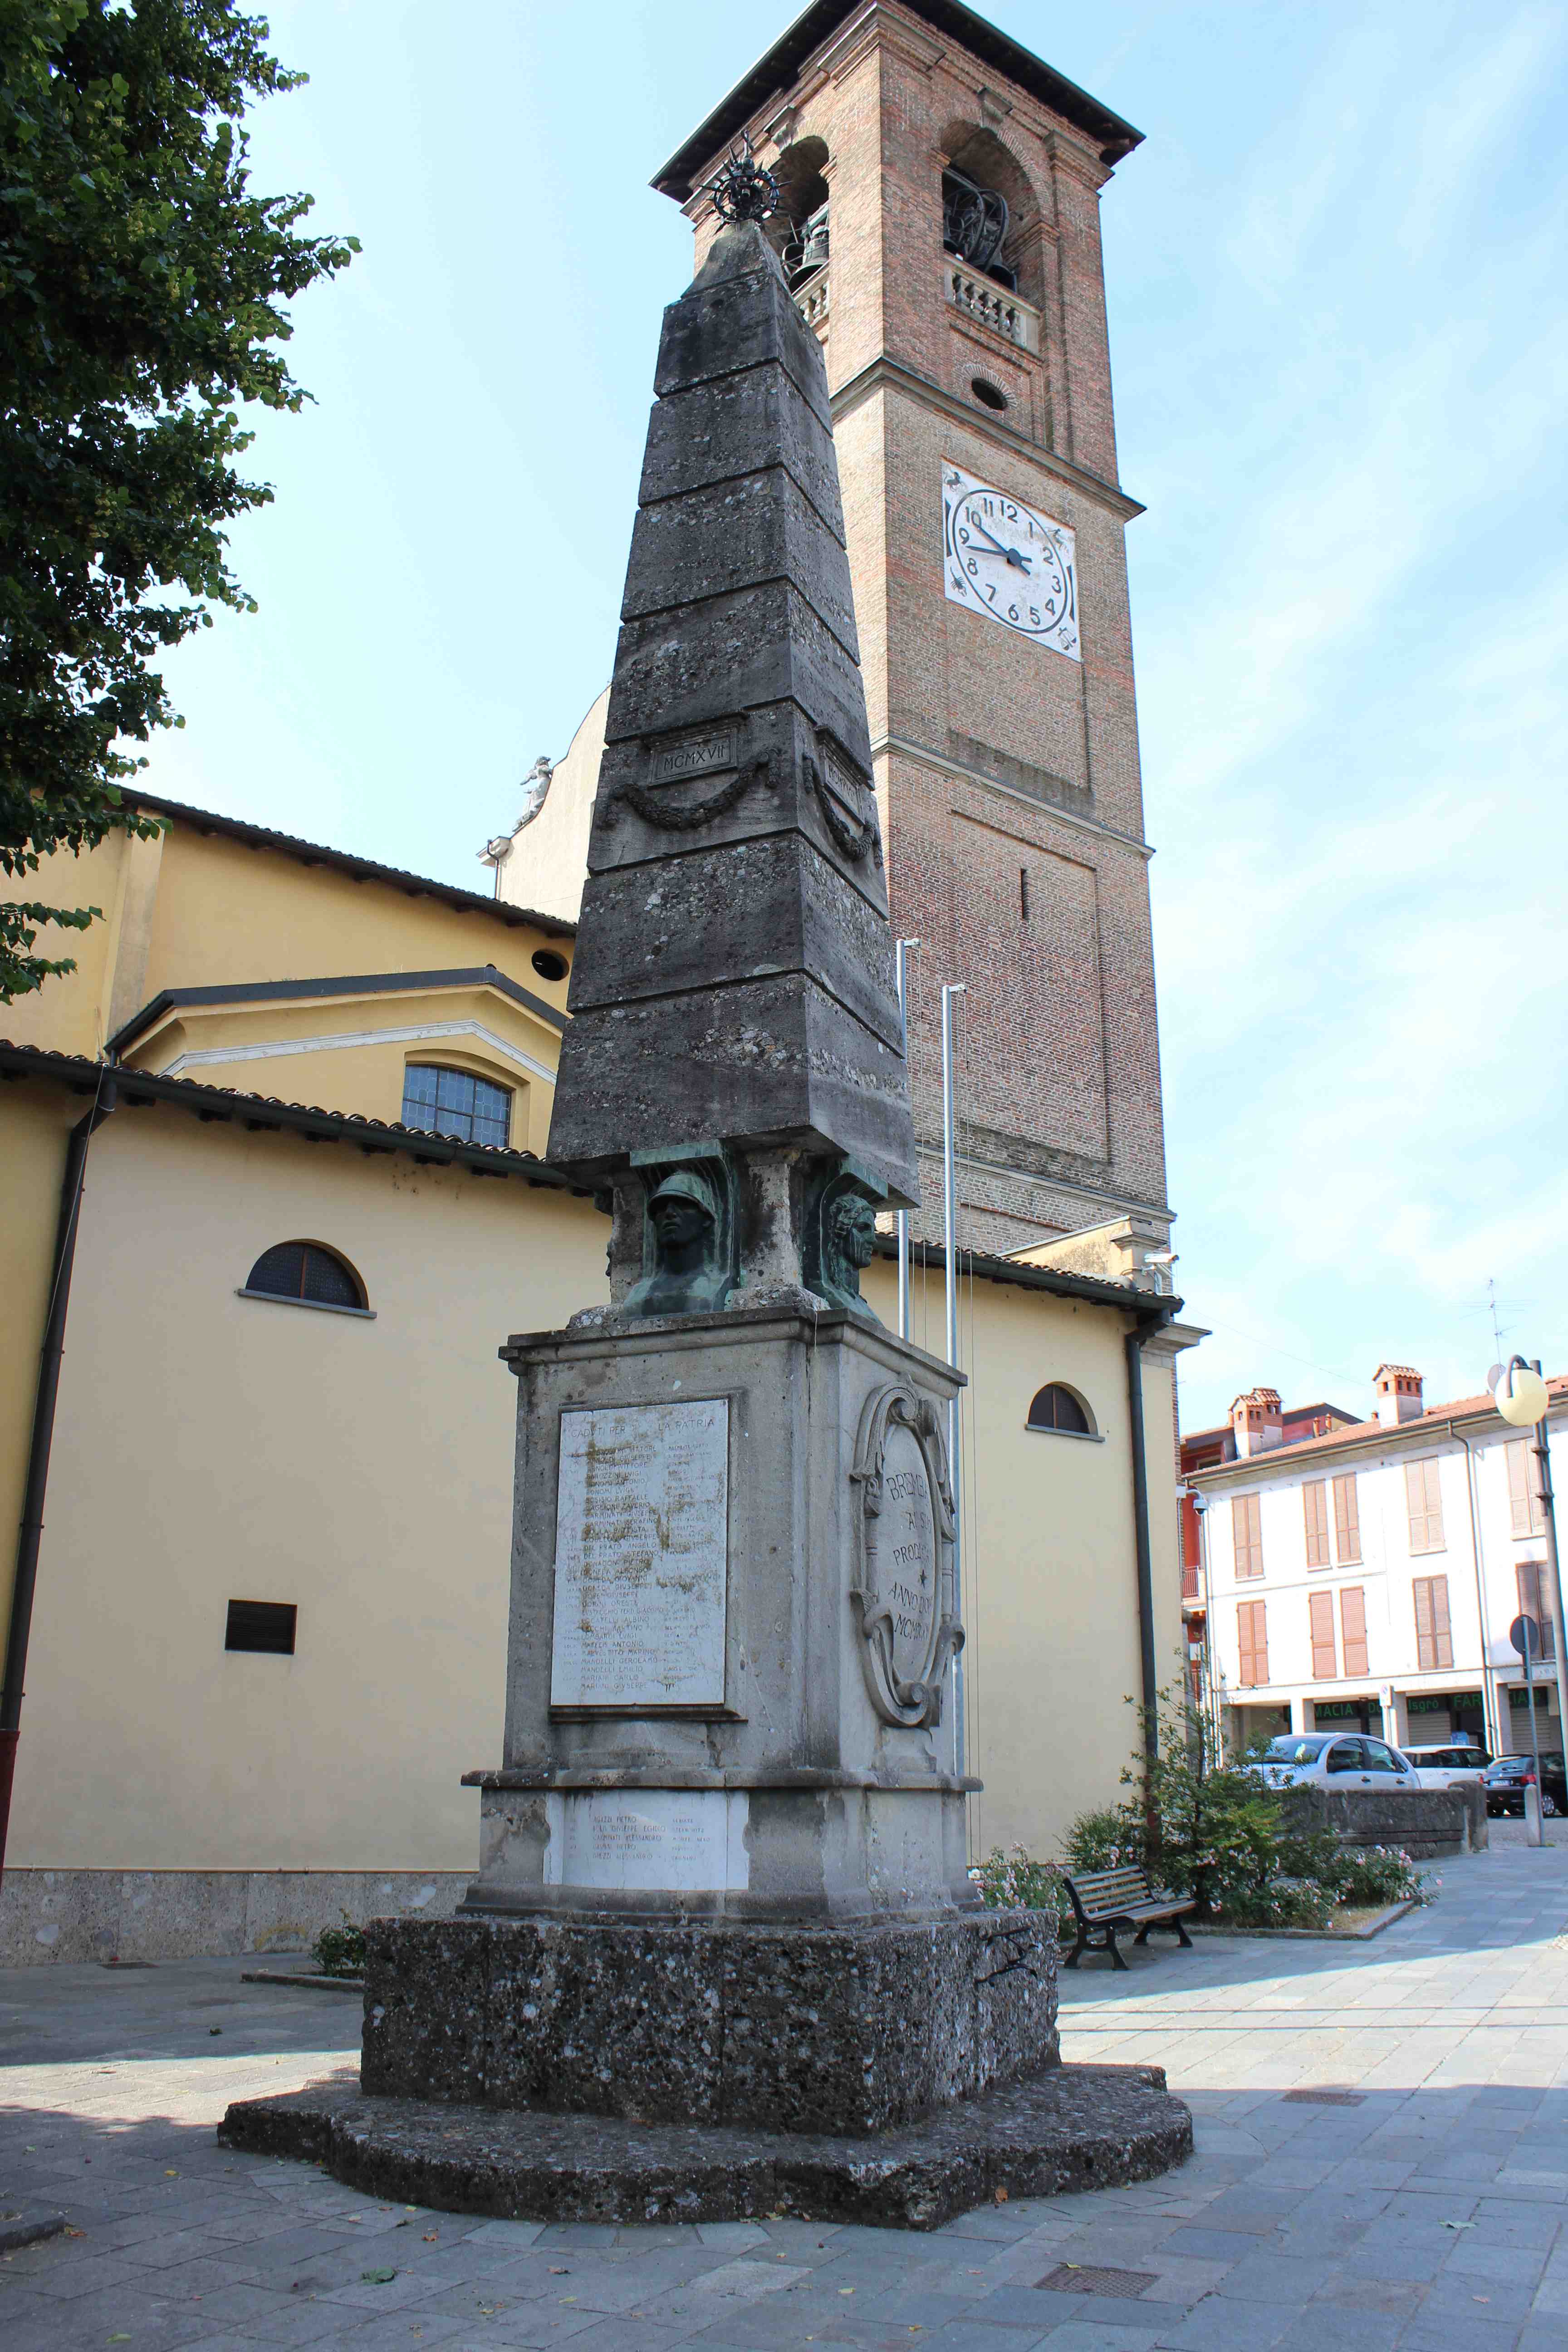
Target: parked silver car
1333,1759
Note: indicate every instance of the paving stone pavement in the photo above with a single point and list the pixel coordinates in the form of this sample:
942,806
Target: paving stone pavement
1430,2217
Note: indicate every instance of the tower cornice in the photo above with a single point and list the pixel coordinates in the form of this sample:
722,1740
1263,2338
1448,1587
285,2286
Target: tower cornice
776,72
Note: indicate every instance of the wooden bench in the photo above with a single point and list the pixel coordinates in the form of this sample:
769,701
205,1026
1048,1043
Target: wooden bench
1104,1901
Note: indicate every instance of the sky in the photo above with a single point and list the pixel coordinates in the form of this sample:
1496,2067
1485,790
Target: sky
1340,339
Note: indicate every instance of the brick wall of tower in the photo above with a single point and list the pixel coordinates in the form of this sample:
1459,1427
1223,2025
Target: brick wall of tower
992,754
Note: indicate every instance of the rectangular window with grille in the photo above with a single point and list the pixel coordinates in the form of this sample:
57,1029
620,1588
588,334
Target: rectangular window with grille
1434,1642
265,1625
1533,1587
1315,1510
1246,1533
1252,1638
1526,1510
1320,1616
1347,1520
1424,1501
1352,1626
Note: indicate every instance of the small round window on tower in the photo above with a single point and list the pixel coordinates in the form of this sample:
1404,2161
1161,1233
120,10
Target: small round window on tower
988,394
549,965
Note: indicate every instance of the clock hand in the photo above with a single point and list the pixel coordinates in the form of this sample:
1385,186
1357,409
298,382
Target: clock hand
1011,553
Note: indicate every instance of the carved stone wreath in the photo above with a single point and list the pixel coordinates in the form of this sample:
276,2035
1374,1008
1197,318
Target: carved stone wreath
852,836
904,1599
668,816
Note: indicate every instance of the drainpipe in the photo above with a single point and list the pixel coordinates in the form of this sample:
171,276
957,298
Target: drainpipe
1488,1684
45,1396
1144,1329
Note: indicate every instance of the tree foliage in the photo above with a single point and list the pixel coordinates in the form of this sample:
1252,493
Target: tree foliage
141,285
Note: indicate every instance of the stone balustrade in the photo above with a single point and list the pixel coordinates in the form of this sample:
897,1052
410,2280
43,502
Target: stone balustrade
979,296
811,301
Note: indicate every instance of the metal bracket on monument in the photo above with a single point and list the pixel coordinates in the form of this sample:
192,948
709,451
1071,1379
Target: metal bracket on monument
904,1531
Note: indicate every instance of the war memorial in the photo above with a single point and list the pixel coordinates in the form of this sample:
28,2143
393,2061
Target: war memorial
722,1956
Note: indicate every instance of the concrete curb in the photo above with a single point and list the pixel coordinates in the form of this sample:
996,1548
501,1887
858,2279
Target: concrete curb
317,1983
20,2230
1309,1935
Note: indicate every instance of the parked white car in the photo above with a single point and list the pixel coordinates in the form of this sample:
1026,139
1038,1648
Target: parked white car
1333,1759
1447,1768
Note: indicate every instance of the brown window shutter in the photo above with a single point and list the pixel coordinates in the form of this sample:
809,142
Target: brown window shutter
1315,1510
1531,1577
1422,1588
1347,1519
1526,1509
1423,1499
1519,1486
1252,1640
1246,1534
1353,1625
1442,1637
1320,1614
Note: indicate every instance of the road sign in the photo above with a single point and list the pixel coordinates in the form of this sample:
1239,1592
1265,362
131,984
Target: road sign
1525,1635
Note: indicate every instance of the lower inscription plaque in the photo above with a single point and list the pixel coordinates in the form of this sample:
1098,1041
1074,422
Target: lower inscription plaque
692,1841
642,1556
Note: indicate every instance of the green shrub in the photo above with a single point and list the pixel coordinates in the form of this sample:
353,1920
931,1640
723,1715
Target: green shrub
1284,1903
340,1951
1375,1873
1115,1838
1016,1882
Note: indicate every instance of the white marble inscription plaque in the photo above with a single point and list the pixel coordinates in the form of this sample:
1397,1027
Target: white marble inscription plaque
693,1841
642,1557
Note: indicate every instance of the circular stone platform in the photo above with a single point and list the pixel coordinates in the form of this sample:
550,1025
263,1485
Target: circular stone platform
1072,2128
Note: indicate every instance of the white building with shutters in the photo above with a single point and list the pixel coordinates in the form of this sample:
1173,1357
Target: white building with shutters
1370,1577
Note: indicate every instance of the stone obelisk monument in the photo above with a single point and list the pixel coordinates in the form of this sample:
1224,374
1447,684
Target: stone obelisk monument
724,1874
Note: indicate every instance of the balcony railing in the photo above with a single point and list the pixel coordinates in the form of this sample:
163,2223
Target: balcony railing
979,296
811,300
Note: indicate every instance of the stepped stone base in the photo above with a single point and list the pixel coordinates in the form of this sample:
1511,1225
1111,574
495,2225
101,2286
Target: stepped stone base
813,2029
1072,2128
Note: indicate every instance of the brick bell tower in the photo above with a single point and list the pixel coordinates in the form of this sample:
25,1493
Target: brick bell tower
940,231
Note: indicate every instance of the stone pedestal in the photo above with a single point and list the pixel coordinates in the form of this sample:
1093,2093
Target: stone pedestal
816,2029
731,1619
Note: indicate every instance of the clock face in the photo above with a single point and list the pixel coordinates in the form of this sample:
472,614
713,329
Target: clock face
1002,557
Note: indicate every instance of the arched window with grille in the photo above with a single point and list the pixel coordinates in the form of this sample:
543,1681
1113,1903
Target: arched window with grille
454,1102
1062,1411
306,1274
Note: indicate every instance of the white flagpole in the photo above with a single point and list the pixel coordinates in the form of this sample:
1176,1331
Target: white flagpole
955,1427
901,974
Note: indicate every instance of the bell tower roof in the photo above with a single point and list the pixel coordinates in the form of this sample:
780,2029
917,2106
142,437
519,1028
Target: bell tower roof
779,68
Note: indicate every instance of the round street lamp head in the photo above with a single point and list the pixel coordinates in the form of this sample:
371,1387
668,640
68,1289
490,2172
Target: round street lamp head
1520,1396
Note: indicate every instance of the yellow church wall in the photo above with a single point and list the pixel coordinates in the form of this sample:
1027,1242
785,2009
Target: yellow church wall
230,913
198,909
210,1447
351,1053
1050,1584
38,1120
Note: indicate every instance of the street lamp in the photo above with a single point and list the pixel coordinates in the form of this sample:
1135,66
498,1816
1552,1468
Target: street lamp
1520,1396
